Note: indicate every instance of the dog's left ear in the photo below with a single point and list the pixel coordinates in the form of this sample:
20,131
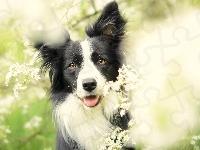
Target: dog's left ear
110,23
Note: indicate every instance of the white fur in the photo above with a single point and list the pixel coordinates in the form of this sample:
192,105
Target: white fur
86,125
89,71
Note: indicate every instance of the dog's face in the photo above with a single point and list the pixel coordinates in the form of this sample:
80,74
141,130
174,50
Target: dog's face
88,64
82,67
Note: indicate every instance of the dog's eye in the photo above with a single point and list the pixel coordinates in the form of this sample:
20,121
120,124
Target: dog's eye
72,65
101,61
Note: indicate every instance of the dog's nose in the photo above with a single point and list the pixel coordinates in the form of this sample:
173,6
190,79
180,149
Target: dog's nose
89,84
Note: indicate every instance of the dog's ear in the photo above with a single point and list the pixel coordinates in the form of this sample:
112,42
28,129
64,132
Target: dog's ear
51,52
110,23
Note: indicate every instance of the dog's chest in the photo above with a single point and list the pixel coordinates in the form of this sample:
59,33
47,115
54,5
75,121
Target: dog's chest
85,125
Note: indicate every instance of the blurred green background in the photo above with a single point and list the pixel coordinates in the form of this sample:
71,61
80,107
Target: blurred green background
26,121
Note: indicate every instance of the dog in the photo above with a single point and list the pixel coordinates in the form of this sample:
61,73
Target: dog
78,70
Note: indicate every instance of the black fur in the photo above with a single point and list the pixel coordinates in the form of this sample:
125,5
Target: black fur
105,36
110,23
103,49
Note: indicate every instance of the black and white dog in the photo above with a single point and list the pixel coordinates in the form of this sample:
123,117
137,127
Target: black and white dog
78,71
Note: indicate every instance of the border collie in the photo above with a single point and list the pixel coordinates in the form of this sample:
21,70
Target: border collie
78,71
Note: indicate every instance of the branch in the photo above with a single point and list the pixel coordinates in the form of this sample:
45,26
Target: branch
33,135
90,15
84,18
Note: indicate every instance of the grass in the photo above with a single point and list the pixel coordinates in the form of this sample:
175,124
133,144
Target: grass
37,138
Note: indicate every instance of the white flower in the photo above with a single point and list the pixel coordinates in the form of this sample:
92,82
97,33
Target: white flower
8,131
33,123
5,141
192,142
106,89
17,87
124,99
195,137
34,73
127,81
115,86
122,112
27,125
25,109
129,87
116,140
48,148
132,122
21,74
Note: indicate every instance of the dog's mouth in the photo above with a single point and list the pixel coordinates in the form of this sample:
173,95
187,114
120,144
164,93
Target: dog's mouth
91,101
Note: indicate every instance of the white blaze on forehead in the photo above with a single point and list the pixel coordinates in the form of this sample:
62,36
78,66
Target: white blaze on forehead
89,70
85,45
86,48
88,65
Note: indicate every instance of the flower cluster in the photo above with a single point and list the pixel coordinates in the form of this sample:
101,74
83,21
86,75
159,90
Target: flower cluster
195,140
33,123
21,75
115,140
4,132
127,82
49,148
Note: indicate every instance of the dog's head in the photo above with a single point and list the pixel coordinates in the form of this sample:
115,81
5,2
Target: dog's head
82,67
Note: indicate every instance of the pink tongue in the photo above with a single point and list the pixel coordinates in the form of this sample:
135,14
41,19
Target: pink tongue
90,101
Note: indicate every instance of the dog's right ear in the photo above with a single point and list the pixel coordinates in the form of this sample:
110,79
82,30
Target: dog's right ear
51,47
51,51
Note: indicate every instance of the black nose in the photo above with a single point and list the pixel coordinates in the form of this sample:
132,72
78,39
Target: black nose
89,84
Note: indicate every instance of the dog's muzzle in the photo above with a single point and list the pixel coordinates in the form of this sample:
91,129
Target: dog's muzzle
90,84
